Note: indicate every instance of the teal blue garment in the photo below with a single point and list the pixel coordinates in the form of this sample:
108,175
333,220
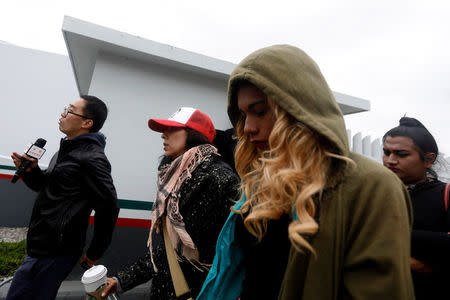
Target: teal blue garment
224,280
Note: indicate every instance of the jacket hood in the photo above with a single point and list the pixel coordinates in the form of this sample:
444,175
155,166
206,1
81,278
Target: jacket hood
97,137
290,78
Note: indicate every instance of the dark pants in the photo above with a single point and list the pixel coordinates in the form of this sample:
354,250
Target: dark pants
40,278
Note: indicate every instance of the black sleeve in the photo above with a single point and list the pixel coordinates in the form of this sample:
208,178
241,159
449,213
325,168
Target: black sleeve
433,248
137,273
104,202
35,179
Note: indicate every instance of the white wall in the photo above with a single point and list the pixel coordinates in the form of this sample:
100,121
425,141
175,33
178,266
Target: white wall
35,87
135,92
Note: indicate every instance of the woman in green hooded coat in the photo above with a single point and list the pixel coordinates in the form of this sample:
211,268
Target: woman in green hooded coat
316,221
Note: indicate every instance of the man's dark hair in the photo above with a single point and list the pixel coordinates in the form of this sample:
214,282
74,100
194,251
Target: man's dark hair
195,138
96,110
421,137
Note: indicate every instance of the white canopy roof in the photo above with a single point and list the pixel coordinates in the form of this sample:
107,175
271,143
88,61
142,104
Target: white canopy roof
85,40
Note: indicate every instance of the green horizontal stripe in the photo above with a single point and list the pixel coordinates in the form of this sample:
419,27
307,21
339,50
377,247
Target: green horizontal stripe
126,204
7,167
133,204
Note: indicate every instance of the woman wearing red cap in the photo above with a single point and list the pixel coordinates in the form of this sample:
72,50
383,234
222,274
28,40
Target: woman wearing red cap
195,192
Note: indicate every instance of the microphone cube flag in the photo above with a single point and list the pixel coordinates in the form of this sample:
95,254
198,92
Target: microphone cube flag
35,151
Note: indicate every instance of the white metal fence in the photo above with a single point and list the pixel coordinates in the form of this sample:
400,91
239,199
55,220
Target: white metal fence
365,146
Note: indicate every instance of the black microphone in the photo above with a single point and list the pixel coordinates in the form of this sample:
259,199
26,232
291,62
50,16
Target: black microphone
35,151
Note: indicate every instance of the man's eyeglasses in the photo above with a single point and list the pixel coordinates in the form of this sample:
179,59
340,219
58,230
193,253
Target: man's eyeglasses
68,111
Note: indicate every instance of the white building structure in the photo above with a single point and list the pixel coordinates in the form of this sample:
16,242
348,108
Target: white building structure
139,79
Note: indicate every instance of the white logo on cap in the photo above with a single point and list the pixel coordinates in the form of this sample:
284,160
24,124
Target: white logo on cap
182,115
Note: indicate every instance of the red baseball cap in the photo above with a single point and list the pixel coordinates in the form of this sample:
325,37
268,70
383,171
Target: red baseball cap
186,117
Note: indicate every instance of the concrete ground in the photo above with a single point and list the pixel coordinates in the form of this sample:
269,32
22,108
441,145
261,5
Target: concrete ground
73,289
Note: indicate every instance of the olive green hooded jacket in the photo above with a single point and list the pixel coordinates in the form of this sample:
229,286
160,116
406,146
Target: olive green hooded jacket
363,242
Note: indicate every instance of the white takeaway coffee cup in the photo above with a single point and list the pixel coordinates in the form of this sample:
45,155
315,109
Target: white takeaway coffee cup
94,281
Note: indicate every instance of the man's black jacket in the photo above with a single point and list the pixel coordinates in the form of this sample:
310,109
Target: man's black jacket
77,181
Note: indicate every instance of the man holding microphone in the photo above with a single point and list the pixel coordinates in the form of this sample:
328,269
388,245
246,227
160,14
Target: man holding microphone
77,181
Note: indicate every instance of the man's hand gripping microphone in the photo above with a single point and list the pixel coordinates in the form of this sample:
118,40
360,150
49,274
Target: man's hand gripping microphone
35,151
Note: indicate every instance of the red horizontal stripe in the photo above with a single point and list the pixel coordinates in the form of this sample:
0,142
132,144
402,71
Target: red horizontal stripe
122,222
6,176
126,222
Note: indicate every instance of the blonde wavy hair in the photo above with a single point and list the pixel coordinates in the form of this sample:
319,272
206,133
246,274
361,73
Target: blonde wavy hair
286,176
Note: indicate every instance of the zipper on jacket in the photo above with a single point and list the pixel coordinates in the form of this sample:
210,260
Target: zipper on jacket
61,232
62,226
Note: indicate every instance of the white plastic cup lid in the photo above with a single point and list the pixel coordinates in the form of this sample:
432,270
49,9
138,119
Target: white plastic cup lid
94,274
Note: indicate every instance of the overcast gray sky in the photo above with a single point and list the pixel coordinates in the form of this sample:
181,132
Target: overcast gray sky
394,53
